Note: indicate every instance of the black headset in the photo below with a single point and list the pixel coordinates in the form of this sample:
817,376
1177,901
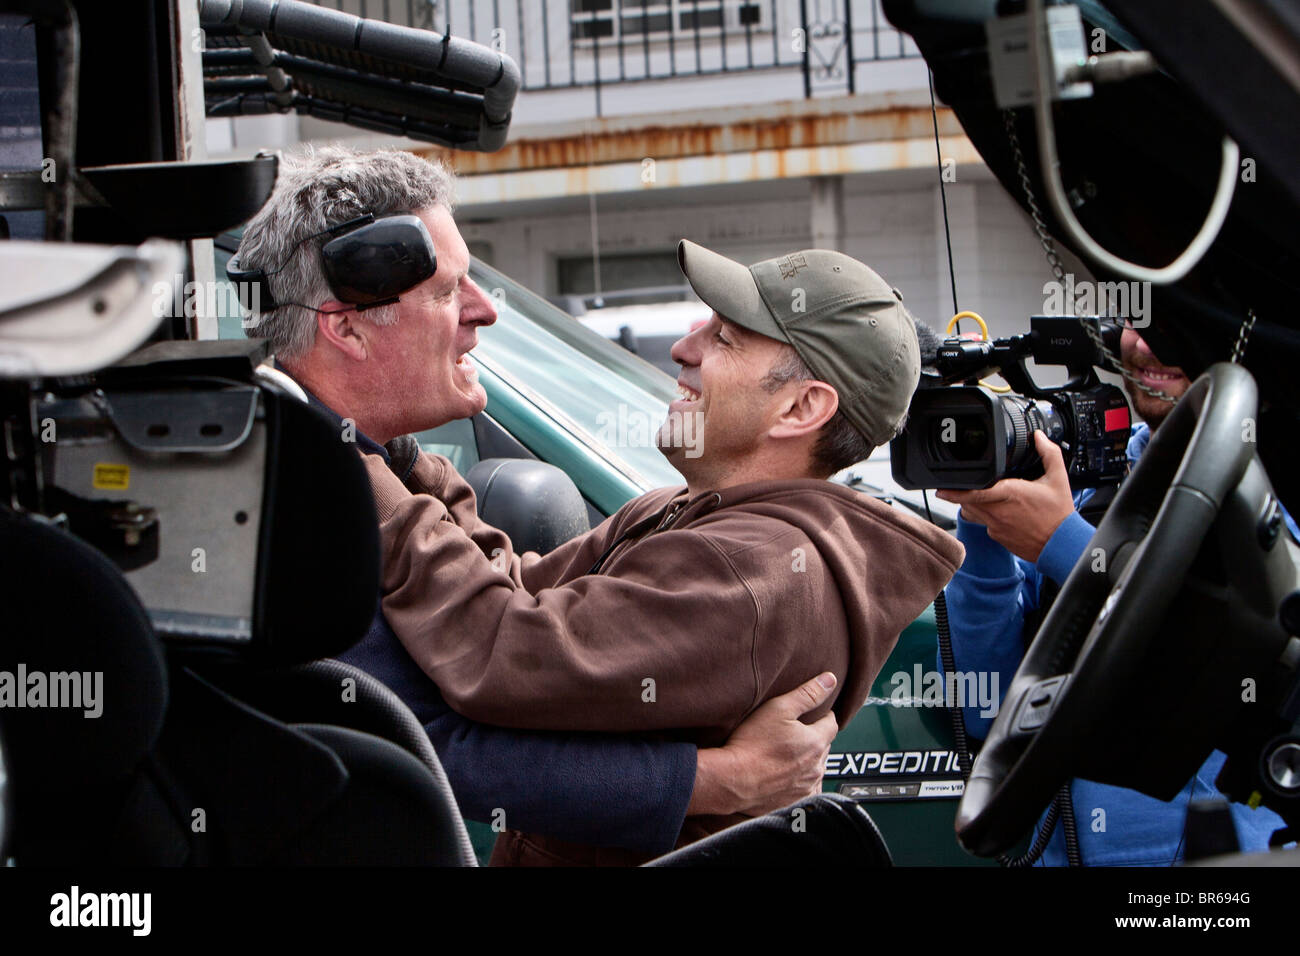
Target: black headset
368,262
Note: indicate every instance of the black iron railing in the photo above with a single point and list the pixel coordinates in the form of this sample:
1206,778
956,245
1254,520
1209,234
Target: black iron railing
579,43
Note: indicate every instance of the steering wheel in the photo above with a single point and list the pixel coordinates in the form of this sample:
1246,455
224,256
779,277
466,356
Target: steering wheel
1090,649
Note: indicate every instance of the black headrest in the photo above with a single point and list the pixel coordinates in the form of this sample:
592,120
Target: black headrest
536,504
318,571
73,628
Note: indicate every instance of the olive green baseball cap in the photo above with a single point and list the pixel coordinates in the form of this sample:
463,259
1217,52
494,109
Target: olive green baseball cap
847,324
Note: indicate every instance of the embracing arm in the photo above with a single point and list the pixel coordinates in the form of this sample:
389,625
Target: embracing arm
588,788
601,789
771,760
635,793
606,789
437,476
568,657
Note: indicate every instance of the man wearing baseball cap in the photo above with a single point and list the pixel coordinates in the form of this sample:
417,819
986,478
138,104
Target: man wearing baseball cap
692,605
828,321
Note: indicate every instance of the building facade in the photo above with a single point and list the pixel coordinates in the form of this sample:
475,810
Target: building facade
750,126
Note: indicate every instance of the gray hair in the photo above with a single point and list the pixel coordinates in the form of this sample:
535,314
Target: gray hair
318,188
839,444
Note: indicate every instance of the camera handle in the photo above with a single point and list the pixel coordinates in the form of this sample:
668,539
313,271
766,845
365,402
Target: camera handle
1016,374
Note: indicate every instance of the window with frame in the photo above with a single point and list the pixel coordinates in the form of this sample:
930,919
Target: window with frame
598,20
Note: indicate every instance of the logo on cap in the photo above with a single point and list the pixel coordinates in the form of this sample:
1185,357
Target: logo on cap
791,265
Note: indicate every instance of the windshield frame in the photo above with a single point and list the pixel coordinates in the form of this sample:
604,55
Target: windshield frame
572,332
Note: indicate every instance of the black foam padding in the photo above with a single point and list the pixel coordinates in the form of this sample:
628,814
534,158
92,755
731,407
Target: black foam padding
68,609
376,262
822,830
319,564
364,72
928,340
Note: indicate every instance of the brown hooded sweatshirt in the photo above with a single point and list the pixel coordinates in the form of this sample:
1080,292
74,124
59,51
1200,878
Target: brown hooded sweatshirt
677,615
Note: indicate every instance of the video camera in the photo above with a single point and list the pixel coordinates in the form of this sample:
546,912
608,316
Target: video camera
963,436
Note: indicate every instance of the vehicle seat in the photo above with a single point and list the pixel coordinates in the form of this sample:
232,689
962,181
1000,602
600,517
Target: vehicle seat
279,794
176,770
535,503
279,678
389,815
832,831
85,789
319,692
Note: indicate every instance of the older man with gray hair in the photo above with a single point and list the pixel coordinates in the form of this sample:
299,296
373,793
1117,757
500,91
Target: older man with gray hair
398,363
692,605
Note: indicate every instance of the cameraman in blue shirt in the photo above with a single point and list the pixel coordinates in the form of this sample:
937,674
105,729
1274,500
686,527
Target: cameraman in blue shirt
1020,535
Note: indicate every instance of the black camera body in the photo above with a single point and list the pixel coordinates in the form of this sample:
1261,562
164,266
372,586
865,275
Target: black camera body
963,436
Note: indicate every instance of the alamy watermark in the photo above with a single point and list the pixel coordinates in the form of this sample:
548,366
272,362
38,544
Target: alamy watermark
74,908
1129,301
631,427
958,689
189,299
78,690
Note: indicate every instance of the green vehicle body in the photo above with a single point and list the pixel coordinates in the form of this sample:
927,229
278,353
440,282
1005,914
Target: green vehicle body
549,380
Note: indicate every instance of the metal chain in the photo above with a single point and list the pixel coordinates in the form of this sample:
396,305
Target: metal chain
1243,334
1091,326
1040,226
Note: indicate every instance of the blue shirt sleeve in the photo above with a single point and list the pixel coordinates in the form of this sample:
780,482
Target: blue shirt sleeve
989,597
987,600
1063,549
586,788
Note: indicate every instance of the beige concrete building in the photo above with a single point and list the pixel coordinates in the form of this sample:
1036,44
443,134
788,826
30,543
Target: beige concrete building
750,126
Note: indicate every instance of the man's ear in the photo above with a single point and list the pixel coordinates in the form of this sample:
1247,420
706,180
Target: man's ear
339,325
809,406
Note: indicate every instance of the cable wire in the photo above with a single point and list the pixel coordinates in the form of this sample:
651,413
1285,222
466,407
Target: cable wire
1214,219
943,196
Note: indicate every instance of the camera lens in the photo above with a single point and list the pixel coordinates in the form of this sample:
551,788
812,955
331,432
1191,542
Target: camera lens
959,438
1024,416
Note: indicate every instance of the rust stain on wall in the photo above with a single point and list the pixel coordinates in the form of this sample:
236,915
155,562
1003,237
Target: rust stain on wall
705,139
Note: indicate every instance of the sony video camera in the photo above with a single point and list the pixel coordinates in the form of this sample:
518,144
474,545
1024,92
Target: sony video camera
963,436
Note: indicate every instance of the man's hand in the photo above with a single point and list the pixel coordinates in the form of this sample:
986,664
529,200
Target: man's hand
1022,515
771,760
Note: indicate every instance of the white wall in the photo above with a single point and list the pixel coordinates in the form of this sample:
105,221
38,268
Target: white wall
892,222
526,247
245,135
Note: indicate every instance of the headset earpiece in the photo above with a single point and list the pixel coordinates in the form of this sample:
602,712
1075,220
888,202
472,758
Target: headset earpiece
368,263
373,264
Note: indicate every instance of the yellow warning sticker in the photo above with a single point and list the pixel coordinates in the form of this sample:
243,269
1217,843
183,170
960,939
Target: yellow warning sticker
111,477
